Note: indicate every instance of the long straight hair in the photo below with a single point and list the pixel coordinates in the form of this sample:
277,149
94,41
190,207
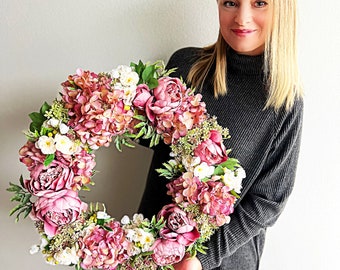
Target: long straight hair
280,60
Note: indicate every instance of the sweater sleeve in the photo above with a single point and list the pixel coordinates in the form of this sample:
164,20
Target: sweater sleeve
265,199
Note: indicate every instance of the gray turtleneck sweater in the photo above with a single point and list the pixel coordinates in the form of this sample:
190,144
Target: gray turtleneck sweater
264,141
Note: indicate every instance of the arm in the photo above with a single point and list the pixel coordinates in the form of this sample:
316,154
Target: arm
264,201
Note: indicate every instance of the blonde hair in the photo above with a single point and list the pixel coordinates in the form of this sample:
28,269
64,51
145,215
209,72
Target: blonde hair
280,60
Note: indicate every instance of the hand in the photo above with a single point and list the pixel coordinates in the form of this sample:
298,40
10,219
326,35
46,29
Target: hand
188,263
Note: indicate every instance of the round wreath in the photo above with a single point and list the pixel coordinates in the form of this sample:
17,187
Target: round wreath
124,105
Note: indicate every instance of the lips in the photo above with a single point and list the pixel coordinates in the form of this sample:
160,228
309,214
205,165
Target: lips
243,32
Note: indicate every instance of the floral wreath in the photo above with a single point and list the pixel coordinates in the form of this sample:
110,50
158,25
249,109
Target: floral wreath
124,105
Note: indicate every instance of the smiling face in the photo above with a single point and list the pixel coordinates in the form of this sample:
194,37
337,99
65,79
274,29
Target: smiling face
245,24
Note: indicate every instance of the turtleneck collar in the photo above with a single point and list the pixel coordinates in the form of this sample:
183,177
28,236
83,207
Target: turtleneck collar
244,64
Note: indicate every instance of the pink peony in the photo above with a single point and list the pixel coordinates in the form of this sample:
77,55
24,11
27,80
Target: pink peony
55,209
55,177
167,252
212,151
168,96
103,249
142,96
179,227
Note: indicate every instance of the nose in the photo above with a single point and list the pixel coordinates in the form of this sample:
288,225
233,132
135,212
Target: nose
243,15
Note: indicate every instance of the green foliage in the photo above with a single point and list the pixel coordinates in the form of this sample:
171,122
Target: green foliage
23,198
38,118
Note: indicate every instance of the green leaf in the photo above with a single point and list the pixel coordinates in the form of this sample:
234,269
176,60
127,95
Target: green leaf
148,73
21,180
37,117
16,208
48,159
140,117
218,170
13,188
152,83
233,192
45,107
139,125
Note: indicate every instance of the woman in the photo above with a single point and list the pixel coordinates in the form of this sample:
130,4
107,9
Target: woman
249,80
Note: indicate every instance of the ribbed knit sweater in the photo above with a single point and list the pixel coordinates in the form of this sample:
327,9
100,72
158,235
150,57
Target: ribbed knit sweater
264,141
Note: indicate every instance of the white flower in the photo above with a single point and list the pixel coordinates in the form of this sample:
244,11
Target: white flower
46,145
190,162
203,170
240,172
125,220
147,241
138,218
129,78
115,73
102,215
53,122
34,249
64,144
67,256
129,94
133,250
231,180
63,129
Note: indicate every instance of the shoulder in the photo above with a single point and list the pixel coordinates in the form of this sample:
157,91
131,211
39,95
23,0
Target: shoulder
183,59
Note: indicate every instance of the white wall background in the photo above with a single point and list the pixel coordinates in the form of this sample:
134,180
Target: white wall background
41,42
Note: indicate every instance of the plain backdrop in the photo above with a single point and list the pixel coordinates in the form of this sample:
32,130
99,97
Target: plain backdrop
42,42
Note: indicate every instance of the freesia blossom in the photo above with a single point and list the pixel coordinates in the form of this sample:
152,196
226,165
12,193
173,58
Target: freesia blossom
203,170
167,252
233,179
46,145
67,256
64,144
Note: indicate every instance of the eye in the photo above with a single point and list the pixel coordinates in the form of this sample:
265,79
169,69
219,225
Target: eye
260,4
229,3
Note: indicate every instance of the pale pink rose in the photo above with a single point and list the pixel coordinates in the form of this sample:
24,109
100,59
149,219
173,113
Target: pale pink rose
55,209
178,227
167,252
101,248
212,151
142,96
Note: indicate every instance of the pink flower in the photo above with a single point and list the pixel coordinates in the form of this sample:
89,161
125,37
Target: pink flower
213,197
167,252
168,96
55,177
103,249
179,227
97,112
142,96
55,209
212,151
31,155
216,201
